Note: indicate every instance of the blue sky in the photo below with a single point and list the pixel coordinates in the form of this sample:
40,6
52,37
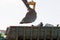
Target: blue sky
13,11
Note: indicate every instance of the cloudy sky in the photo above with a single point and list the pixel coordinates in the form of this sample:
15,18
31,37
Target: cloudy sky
13,11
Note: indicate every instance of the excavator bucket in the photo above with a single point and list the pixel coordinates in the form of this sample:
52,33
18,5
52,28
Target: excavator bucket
30,17
31,14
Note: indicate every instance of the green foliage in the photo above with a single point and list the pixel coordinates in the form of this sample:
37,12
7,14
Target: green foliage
1,36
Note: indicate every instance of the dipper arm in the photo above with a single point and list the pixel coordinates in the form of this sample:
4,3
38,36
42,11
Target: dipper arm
25,2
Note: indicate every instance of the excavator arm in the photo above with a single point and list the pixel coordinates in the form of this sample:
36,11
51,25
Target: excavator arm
25,2
29,3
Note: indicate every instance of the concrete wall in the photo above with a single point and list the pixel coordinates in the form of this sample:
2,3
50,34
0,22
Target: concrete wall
34,32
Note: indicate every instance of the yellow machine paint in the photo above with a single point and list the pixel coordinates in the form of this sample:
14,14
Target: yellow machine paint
32,3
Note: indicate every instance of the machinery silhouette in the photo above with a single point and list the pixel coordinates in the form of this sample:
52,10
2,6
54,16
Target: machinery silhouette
31,14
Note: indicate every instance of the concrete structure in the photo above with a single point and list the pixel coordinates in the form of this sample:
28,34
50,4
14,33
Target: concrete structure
33,33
